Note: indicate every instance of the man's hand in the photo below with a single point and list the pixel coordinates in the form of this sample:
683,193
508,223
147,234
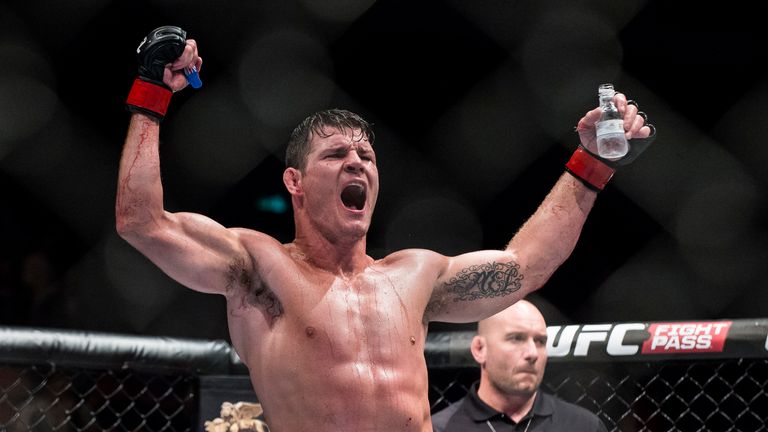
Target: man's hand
594,171
159,48
637,130
162,55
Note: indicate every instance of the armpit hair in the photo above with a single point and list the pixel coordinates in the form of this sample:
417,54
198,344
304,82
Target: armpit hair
255,293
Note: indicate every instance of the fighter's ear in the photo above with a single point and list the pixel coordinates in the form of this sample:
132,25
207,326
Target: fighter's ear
292,180
478,348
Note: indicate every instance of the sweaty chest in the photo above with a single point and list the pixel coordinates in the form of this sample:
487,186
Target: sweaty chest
368,299
371,313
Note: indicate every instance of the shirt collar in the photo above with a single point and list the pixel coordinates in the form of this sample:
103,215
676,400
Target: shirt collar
479,411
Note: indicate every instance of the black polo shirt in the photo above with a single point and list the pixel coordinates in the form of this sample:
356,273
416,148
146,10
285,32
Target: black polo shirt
549,413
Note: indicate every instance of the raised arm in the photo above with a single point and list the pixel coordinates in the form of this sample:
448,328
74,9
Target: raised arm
479,284
192,249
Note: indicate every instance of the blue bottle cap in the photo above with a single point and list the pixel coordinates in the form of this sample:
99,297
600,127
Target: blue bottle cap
193,78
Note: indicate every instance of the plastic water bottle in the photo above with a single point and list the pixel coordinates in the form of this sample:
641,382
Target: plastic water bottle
611,142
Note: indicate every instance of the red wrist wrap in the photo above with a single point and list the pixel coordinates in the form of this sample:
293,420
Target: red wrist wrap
590,170
148,96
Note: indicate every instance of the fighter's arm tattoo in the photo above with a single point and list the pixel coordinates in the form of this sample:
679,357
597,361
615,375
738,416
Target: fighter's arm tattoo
476,282
493,279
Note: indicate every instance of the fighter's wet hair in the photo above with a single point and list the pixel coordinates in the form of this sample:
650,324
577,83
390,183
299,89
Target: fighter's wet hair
298,143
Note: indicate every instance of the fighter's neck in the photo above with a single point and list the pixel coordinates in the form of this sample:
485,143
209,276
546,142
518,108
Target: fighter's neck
340,258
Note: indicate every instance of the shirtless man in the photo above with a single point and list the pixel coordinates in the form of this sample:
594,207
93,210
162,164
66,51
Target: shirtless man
334,339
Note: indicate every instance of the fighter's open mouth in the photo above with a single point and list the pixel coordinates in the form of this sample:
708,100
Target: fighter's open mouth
353,196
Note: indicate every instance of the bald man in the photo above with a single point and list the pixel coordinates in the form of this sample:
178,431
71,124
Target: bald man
511,349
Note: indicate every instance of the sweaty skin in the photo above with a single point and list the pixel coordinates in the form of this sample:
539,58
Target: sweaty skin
334,339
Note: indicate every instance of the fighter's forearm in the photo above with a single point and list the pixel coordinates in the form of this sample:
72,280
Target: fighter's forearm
547,239
139,190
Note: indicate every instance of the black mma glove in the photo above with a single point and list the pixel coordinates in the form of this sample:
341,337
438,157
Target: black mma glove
149,95
594,171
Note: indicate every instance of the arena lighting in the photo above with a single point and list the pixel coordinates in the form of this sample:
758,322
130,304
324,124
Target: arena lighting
276,204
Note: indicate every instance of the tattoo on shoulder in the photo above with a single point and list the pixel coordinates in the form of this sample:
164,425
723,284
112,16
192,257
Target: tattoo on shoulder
493,279
255,291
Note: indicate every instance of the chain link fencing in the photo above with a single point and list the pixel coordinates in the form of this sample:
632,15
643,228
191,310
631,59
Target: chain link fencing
44,397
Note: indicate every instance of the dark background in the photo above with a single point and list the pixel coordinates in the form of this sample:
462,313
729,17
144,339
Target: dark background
474,105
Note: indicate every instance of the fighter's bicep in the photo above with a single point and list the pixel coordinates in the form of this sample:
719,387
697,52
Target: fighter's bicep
197,252
474,285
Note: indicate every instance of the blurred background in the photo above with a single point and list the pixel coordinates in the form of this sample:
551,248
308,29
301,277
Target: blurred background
474,105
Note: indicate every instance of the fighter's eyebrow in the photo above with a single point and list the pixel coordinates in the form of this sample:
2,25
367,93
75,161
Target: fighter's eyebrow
366,149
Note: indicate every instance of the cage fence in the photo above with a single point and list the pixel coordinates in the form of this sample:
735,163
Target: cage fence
44,397
76,381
